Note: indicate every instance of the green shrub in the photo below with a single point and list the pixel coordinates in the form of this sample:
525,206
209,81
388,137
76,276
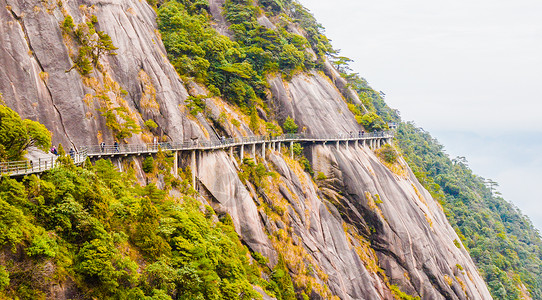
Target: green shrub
388,154
306,165
150,124
297,149
17,135
401,295
148,165
321,176
195,105
289,125
12,224
4,278
42,245
67,24
372,122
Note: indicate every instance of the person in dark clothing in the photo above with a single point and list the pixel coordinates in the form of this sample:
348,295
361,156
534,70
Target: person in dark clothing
72,153
102,146
116,146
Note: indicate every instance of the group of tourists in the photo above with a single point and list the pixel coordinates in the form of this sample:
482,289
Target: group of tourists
115,146
54,151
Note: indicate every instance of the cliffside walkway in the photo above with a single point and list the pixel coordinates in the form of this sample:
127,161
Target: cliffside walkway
372,140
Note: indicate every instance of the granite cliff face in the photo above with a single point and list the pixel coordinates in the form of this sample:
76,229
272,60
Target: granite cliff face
360,229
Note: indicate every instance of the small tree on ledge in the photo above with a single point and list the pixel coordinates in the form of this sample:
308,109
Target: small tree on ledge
290,126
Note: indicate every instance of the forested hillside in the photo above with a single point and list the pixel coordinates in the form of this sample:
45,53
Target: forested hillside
93,232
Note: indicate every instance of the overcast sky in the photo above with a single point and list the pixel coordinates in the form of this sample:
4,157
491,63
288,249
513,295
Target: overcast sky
469,72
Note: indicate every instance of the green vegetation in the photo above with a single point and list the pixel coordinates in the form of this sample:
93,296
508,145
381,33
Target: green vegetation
123,129
196,105
92,44
97,232
197,50
400,294
388,154
289,125
115,239
501,240
17,135
253,172
236,69
150,124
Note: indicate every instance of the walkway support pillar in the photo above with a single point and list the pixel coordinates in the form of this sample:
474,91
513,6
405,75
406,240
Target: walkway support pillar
231,153
338,145
176,164
356,144
193,167
242,152
278,147
263,151
254,151
347,145
292,149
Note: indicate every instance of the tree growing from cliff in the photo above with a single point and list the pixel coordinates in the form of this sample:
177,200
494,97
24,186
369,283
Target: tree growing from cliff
290,126
17,135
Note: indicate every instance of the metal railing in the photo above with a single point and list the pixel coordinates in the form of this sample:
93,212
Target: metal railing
15,168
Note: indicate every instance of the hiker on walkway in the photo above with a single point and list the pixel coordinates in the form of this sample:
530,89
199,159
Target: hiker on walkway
72,153
54,151
102,146
116,145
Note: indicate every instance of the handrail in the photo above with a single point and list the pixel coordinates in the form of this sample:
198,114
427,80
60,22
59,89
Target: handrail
26,167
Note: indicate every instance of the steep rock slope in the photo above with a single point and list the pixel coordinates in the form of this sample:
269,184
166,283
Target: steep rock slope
39,82
411,234
334,235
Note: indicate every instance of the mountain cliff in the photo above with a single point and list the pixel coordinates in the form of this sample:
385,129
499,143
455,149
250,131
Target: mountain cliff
339,221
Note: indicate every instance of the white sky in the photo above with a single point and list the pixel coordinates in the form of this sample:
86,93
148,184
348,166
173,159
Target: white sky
469,72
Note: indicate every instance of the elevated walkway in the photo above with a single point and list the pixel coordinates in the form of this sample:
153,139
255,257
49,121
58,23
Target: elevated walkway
372,140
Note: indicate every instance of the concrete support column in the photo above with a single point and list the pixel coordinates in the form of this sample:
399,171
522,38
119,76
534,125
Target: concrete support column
356,144
263,150
231,153
338,145
254,152
193,167
242,154
278,146
176,163
292,149
346,145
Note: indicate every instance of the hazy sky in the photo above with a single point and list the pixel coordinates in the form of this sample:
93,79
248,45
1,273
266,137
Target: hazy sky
469,72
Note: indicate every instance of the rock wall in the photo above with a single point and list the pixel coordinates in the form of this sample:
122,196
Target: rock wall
38,81
408,230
